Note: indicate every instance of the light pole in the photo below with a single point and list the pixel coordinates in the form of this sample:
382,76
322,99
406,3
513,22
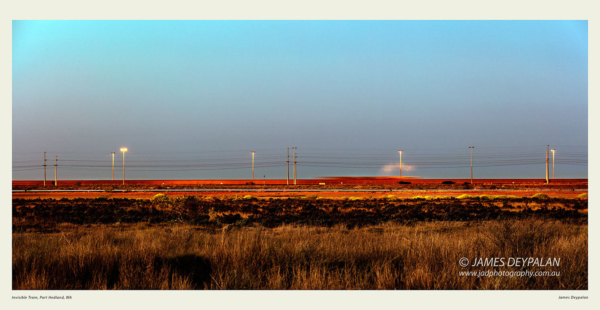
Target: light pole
471,147
252,165
553,150
288,166
123,149
113,165
400,152
55,166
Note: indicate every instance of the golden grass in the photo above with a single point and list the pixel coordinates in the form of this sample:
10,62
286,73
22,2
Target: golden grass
540,196
422,197
422,256
160,197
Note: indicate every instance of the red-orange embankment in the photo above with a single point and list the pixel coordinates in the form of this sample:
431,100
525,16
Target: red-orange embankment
327,180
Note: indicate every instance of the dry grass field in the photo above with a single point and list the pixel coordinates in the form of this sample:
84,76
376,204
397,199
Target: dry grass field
300,243
184,257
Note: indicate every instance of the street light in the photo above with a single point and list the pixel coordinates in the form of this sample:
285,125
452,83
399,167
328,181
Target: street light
123,149
400,152
553,150
252,165
55,166
471,147
113,165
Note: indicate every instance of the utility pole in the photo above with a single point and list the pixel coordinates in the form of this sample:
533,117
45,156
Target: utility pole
123,149
113,164
294,148
400,152
553,150
252,165
44,168
471,147
288,166
55,176
547,165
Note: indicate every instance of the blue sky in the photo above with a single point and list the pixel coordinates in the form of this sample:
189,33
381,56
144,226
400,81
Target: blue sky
189,96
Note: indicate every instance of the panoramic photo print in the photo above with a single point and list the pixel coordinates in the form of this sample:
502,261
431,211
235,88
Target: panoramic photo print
299,155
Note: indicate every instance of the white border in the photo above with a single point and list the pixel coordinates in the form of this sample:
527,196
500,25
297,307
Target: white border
308,9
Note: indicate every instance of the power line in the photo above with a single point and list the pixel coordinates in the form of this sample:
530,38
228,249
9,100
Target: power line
449,158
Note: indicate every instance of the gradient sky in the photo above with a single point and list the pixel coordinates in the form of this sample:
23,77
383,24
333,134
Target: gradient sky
199,91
